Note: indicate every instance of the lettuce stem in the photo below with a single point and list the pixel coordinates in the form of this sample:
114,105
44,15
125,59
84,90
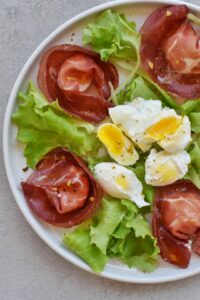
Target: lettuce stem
194,19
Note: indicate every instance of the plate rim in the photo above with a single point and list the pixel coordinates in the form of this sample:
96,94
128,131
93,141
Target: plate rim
30,218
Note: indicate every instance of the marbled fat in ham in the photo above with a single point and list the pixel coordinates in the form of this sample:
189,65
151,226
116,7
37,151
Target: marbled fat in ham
78,78
182,50
62,191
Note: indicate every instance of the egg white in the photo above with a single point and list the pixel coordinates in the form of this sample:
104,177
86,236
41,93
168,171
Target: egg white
135,117
120,182
180,139
163,168
119,147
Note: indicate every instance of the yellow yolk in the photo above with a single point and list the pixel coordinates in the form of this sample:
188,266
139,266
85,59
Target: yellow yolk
122,182
163,128
167,172
111,136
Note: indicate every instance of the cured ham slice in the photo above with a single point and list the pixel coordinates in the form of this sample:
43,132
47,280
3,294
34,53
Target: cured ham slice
181,216
170,52
172,250
62,191
182,50
78,78
176,219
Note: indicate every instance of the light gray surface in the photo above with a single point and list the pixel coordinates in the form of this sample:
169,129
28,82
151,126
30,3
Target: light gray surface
28,268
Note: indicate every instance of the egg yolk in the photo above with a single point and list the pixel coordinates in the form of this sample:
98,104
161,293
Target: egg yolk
163,128
121,180
168,172
111,136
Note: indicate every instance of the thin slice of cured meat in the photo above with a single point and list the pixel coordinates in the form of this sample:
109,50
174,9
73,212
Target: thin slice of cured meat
78,78
172,250
176,219
182,50
162,39
180,209
62,191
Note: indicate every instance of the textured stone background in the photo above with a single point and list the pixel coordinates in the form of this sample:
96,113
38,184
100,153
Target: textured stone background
29,270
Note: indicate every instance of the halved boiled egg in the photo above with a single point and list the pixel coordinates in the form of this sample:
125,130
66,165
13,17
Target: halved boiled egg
146,122
163,168
134,118
120,182
171,131
120,148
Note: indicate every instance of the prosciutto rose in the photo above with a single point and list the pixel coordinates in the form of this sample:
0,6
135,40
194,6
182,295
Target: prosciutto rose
62,191
79,80
170,52
176,220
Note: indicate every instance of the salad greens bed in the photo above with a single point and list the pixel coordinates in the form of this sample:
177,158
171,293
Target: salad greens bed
114,37
118,229
48,127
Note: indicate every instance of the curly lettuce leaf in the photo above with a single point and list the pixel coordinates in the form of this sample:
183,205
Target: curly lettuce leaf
43,126
194,167
117,230
79,241
120,233
133,241
193,176
136,88
140,226
113,36
192,109
142,86
195,154
143,263
148,190
191,105
195,121
109,218
139,252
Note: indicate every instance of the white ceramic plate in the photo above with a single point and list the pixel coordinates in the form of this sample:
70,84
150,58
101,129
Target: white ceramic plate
13,151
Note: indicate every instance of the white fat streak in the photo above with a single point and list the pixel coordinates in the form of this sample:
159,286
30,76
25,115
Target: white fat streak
190,64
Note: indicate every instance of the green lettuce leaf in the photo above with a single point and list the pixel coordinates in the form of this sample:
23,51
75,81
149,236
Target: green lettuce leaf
120,233
137,251
148,190
134,243
192,109
194,167
142,86
79,241
43,126
138,87
195,154
131,208
140,226
193,176
109,218
143,263
191,105
117,230
195,121
113,36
